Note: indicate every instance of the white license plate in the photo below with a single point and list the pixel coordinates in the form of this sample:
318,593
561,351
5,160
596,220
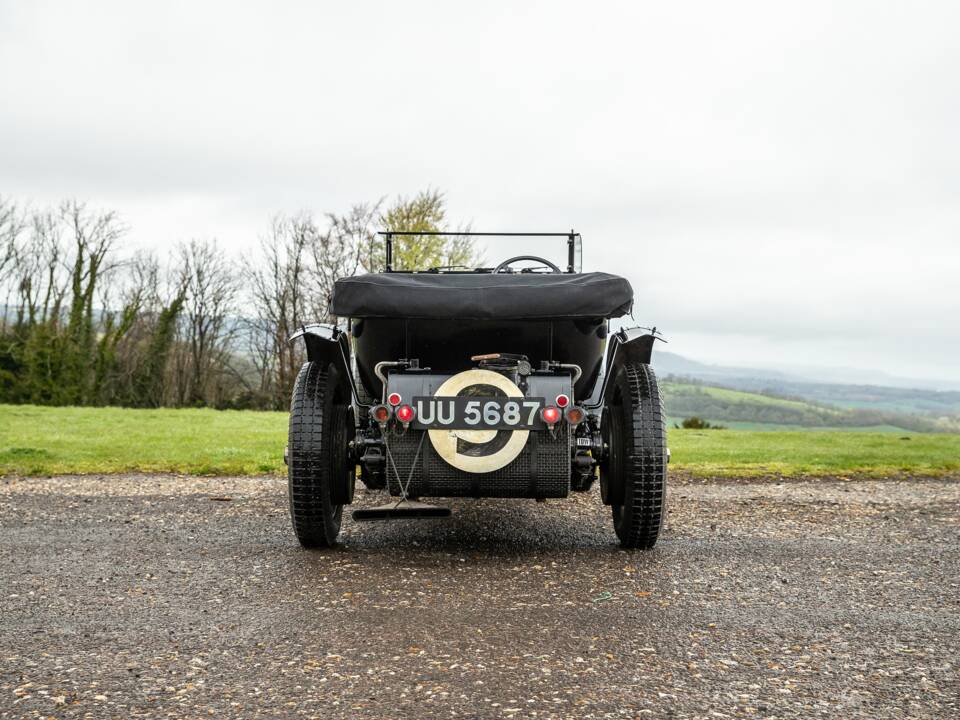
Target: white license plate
475,413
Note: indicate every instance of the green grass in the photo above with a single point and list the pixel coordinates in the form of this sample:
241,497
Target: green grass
43,440
810,452
733,396
46,441
765,427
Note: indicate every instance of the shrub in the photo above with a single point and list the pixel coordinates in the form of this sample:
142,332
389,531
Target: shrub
695,423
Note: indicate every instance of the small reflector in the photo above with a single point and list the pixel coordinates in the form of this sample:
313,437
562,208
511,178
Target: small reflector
562,401
404,413
394,399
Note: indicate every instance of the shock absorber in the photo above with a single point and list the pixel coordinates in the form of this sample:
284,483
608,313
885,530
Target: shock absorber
588,447
368,449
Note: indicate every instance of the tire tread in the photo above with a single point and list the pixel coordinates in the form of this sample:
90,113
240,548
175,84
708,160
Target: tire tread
642,514
316,521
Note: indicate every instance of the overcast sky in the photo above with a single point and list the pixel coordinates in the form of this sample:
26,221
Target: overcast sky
779,181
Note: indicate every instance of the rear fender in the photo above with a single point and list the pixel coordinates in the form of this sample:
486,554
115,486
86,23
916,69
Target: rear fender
328,344
633,345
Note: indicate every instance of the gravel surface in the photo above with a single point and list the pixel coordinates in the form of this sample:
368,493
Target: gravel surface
146,596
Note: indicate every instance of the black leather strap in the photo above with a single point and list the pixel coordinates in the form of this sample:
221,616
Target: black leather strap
534,443
428,455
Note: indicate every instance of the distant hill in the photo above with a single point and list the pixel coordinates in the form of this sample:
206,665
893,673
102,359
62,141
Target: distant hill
668,363
932,404
737,408
672,364
868,397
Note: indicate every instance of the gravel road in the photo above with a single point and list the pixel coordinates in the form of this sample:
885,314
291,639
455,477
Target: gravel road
146,596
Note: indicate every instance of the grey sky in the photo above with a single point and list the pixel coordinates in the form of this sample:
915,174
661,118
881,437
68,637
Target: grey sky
780,181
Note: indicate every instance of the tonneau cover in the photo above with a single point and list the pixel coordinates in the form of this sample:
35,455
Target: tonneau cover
482,296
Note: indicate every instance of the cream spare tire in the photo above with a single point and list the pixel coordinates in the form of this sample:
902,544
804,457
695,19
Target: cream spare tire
478,451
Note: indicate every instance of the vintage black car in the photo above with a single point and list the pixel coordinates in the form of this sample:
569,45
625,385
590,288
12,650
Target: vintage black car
493,382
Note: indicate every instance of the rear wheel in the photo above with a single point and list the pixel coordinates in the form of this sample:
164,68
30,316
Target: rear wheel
321,477
633,476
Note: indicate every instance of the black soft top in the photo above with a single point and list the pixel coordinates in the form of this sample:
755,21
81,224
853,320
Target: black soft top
482,296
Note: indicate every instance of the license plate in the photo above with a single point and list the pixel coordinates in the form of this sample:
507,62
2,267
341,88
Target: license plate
477,413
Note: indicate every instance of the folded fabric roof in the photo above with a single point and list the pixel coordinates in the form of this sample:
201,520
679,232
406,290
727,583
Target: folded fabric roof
482,296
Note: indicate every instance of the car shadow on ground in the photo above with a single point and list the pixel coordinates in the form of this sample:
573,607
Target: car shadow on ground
506,526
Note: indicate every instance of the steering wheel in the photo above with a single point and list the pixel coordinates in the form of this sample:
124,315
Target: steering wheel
518,258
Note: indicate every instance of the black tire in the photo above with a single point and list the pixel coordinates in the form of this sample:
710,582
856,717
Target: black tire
320,477
633,477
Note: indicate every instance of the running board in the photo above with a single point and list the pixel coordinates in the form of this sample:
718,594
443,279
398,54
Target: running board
403,510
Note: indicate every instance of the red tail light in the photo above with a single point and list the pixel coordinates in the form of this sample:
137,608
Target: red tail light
381,413
550,415
405,413
562,401
394,399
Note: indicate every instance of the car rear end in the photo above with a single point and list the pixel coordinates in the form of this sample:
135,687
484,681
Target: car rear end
489,383
501,428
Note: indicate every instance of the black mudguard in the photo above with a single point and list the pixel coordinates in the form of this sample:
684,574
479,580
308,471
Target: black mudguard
634,345
328,344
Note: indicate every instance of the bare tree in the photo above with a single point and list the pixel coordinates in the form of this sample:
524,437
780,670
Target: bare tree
277,281
11,225
139,290
94,235
36,275
49,261
10,228
348,242
208,327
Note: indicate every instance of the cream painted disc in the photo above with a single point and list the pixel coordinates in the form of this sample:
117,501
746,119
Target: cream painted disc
447,442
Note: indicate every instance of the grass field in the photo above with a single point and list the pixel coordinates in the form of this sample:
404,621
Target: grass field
45,441
670,387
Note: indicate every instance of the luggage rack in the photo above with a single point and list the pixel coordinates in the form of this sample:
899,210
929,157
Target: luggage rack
574,242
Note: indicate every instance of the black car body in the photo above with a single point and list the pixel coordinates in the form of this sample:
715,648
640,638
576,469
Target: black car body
486,383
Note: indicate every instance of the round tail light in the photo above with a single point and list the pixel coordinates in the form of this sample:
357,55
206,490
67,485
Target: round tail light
562,401
575,416
394,399
405,413
381,413
550,415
